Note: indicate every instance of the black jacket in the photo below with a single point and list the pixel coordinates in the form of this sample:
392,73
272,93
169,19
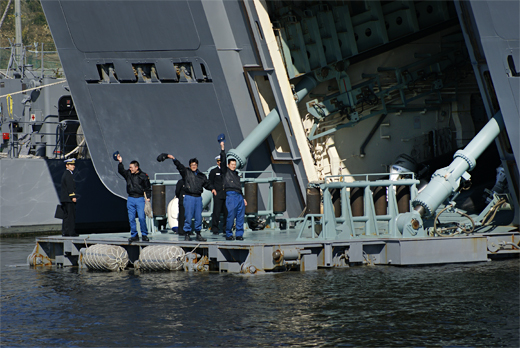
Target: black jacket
194,183
216,179
136,184
68,187
179,192
231,177
179,189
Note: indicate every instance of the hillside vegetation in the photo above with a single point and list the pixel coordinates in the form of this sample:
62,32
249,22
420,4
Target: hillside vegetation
34,30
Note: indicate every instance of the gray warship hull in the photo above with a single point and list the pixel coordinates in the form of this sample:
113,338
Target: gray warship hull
168,76
30,194
182,116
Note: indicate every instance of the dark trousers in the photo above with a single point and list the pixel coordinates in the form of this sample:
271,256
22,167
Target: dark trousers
136,205
180,218
68,226
192,211
236,209
219,207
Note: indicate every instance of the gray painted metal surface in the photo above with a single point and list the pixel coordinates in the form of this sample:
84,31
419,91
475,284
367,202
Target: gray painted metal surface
495,54
497,25
27,186
142,120
184,71
30,192
271,251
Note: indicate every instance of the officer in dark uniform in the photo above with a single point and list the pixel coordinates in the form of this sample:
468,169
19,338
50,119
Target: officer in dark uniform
179,193
219,200
137,185
194,183
68,200
235,201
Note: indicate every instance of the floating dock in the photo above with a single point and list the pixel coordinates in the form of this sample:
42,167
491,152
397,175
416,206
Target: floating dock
282,250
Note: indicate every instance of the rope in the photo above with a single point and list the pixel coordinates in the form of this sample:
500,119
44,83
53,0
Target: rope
32,89
76,149
191,252
493,210
5,75
440,231
31,259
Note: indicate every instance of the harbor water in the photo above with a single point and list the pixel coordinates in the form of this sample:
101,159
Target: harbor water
451,305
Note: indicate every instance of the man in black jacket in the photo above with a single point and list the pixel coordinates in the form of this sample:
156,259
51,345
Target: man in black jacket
194,183
68,200
235,201
219,200
137,185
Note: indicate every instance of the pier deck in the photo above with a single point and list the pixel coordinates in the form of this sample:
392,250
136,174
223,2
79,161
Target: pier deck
281,250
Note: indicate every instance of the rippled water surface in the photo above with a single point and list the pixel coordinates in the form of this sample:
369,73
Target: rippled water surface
452,305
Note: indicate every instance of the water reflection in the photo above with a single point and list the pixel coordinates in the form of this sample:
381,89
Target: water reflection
453,305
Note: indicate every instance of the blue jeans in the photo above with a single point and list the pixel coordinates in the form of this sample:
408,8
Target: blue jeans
192,210
236,209
133,205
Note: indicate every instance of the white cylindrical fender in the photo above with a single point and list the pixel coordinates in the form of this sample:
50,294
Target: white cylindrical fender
173,213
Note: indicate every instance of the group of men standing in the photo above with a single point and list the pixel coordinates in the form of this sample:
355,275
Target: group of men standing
223,182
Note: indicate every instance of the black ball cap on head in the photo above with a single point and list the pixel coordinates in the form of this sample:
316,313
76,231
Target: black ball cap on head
162,157
221,138
115,155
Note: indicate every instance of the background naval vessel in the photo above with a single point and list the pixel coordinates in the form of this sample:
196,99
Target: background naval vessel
304,89
40,128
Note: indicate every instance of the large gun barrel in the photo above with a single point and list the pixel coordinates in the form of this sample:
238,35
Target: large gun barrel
262,131
447,180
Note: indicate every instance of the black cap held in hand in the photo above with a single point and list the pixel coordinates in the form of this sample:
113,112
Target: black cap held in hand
221,138
162,157
115,155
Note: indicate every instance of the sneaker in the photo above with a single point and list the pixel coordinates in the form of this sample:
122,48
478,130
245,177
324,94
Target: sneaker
215,232
200,238
230,238
187,236
240,238
145,239
133,239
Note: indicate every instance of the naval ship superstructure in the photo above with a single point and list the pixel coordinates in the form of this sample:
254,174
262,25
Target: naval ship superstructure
353,84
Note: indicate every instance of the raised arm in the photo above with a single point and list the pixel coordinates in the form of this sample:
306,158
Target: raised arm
223,161
120,168
180,167
208,186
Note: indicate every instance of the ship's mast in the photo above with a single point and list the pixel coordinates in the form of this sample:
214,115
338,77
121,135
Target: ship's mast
18,30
